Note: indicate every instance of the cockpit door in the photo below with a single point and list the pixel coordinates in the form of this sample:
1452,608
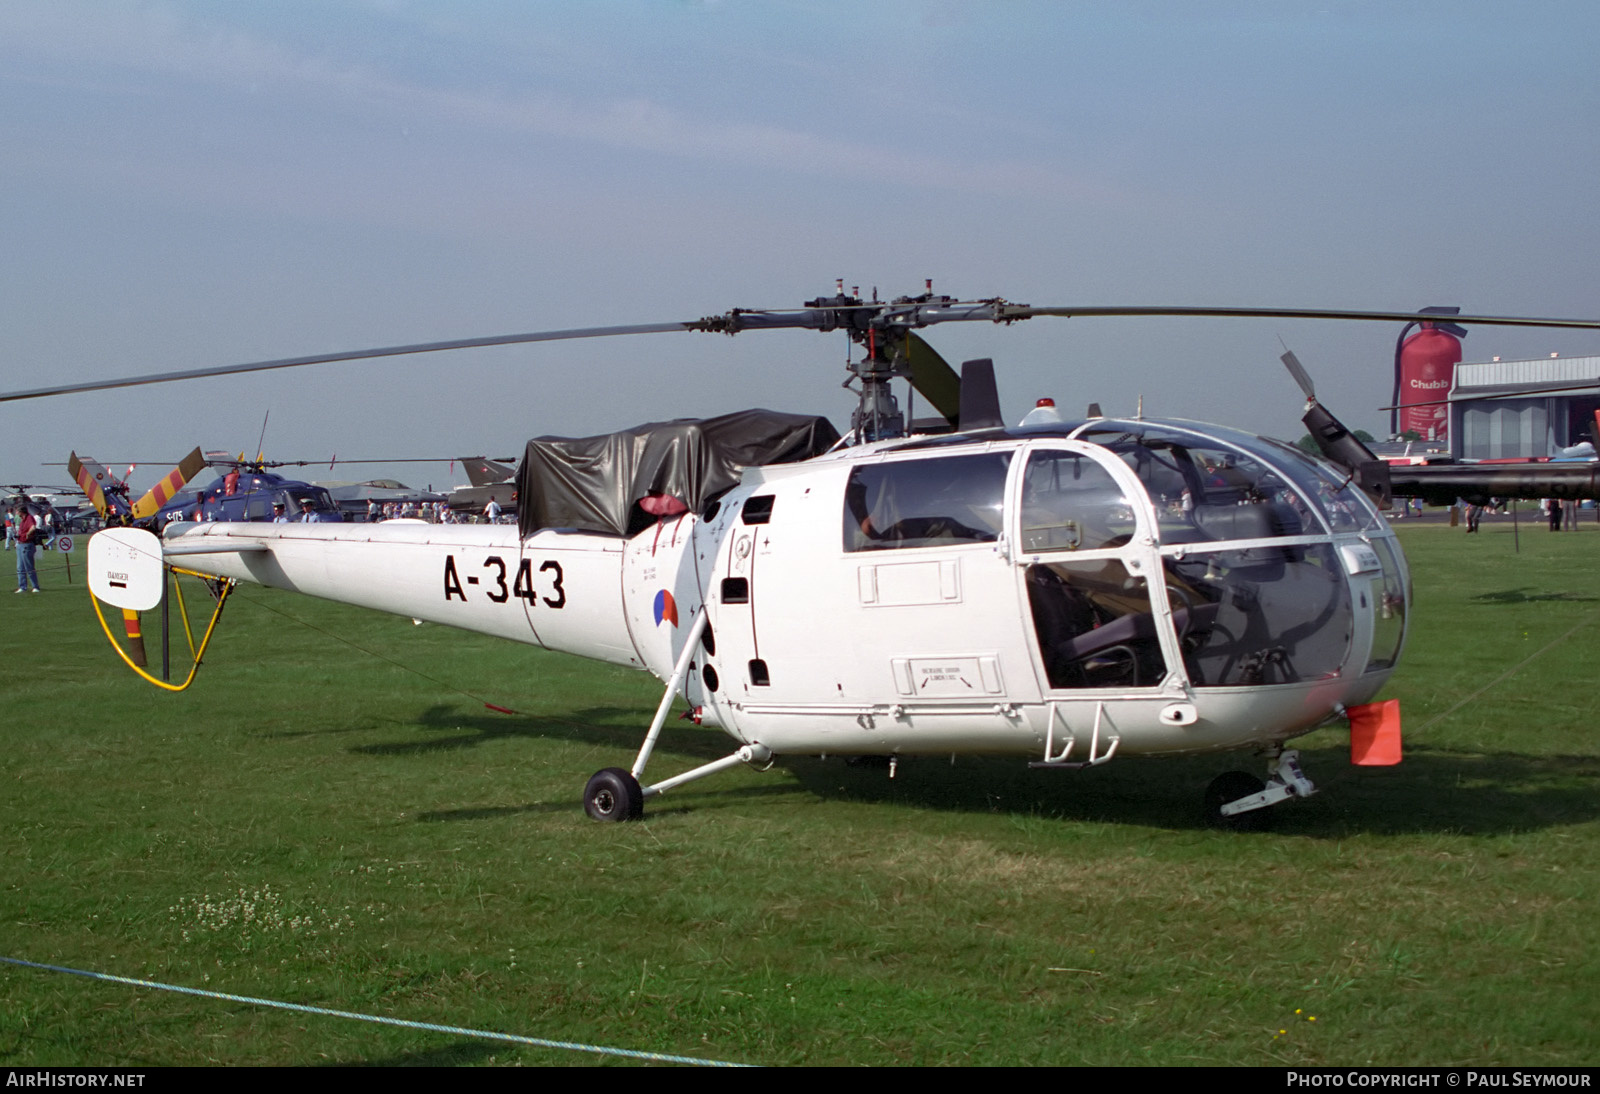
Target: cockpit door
1085,554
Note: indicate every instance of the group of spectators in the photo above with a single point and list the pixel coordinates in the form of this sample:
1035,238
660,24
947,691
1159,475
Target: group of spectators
1554,509
1551,509
434,512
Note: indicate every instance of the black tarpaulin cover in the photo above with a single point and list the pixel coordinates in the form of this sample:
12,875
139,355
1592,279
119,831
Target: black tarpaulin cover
595,484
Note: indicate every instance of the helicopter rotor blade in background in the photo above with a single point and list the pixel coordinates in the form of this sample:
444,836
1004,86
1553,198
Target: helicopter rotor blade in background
1443,483
1337,443
163,491
261,442
1301,376
89,475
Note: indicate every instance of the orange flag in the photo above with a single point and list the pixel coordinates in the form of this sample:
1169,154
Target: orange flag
1375,734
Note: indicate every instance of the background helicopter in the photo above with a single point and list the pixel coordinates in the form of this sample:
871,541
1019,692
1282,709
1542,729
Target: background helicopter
1073,591
246,490
65,507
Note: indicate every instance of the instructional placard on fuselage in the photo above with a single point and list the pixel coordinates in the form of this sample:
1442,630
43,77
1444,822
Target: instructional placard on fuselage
947,677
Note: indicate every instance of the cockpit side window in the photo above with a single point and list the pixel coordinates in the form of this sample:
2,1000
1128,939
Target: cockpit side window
1092,616
1346,508
1212,492
936,502
1071,503
1245,619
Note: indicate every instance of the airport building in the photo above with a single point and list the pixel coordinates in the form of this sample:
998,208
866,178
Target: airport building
1522,409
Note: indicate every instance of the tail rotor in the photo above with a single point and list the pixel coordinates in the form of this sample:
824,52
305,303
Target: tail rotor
114,509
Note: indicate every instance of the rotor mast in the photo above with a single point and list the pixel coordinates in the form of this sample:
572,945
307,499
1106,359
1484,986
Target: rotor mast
879,328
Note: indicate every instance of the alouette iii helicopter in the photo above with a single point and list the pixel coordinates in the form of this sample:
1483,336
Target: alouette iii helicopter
1066,591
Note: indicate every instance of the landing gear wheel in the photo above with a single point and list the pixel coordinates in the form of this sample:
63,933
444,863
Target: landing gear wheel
1231,786
613,795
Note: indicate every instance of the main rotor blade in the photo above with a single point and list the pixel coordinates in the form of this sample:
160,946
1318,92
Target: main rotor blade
296,463
350,355
850,314
1005,312
933,378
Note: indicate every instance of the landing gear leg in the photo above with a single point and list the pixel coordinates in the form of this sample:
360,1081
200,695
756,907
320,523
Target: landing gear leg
614,794
1226,792
1240,801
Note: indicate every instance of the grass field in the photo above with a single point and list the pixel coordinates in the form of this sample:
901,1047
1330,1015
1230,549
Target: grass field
314,823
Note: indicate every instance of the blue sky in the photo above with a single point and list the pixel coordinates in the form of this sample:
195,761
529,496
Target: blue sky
184,184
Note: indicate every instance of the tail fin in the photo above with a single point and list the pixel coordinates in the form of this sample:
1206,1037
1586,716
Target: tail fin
482,471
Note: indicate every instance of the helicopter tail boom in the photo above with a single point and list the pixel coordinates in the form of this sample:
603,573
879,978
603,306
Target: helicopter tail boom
557,590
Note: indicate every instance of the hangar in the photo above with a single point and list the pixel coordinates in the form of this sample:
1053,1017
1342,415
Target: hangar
1523,409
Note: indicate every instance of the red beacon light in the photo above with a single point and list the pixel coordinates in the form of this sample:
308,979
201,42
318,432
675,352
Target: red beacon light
1044,412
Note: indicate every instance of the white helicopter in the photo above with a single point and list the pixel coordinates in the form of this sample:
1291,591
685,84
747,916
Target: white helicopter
1064,591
